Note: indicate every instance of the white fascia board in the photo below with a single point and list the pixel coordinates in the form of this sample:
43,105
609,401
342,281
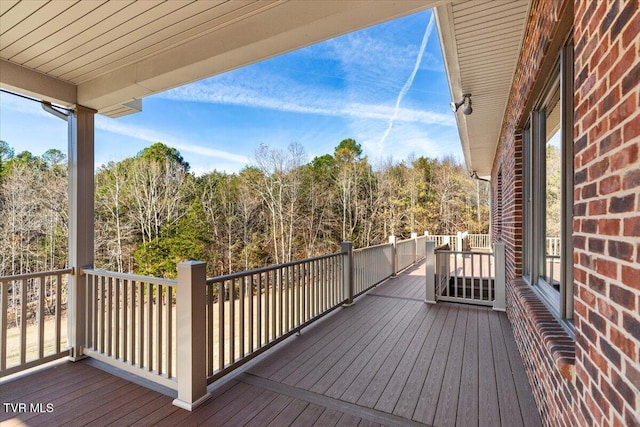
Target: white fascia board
448,45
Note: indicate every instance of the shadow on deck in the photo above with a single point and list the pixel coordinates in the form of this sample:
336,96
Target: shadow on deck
390,360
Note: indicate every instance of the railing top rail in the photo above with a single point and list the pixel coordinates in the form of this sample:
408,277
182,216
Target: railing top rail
245,273
404,241
442,251
126,276
373,247
35,275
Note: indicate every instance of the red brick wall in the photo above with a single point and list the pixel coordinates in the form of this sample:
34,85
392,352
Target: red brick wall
607,210
604,386
546,350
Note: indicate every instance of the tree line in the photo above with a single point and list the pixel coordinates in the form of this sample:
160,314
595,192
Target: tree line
151,211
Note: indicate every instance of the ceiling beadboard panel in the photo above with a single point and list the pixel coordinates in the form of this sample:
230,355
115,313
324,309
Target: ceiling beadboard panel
483,46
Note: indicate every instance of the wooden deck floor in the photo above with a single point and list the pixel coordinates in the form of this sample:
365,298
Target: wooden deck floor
390,360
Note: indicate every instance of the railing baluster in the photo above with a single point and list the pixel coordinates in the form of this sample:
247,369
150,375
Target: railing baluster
322,279
118,334
210,328
140,334
267,302
159,326
41,293
108,315
125,319
482,280
132,320
259,300
473,284
241,297
3,324
309,290
23,321
169,332
279,284
221,340
232,320
101,292
287,300
251,313
298,289
150,290
316,279
274,312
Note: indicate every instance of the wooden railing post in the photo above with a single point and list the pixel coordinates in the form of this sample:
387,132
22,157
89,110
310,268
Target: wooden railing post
394,256
499,303
347,273
191,364
430,272
81,222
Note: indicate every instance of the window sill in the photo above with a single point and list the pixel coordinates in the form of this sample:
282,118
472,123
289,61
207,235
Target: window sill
552,333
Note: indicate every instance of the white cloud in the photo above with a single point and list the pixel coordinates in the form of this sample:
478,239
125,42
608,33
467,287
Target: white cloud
296,99
149,135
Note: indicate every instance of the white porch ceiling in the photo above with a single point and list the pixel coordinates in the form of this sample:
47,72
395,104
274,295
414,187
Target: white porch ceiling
481,43
107,55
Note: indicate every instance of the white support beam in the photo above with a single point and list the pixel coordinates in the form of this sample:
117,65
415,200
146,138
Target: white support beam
81,220
29,82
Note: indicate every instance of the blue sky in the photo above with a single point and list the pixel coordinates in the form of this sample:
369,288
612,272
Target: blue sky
384,86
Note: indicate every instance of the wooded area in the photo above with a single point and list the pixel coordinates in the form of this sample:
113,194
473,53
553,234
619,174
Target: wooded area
152,212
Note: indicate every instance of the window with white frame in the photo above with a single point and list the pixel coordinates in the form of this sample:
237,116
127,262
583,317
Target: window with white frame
548,190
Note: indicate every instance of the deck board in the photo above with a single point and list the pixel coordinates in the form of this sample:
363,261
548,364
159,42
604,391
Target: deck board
427,402
389,360
447,408
375,376
467,413
387,396
322,369
358,356
488,412
270,412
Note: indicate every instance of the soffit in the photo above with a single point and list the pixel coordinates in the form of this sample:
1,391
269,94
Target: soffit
481,43
106,54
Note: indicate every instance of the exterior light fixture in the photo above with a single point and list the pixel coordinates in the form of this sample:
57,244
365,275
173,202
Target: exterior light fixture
56,111
466,101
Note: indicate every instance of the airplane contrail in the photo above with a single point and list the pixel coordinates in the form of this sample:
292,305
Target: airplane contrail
408,83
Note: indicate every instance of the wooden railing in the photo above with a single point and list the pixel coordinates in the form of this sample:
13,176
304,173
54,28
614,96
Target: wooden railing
406,253
553,246
371,266
466,276
480,241
186,333
251,311
32,319
131,323
441,240
552,261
